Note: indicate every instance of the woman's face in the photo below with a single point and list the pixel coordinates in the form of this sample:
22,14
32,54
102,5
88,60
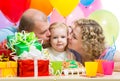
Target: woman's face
75,39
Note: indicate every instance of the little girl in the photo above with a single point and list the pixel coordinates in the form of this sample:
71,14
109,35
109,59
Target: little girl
58,41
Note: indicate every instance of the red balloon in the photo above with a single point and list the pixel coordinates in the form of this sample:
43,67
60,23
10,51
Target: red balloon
0,4
13,9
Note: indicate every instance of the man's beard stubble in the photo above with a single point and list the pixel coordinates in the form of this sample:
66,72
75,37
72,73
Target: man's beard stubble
45,43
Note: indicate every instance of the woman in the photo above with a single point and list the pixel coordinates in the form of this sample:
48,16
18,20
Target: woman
88,41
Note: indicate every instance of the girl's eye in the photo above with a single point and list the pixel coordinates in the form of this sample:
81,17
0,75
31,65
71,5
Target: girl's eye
54,37
63,37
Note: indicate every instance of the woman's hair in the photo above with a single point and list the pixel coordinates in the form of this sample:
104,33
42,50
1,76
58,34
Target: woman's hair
92,38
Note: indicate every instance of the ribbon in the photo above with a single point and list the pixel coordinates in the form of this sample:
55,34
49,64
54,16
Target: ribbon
26,38
35,67
109,53
3,58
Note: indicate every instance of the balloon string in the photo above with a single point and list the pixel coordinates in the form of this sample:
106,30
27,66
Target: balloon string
114,42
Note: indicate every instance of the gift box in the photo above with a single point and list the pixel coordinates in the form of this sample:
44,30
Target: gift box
8,69
6,53
21,47
26,68
22,41
3,49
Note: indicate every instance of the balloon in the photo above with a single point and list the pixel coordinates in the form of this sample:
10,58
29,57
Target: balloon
42,5
74,15
48,17
0,5
64,7
86,2
56,17
77,13
13,9
109,23
5,22
96,5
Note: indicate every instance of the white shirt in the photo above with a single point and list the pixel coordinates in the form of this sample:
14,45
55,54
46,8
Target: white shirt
57,56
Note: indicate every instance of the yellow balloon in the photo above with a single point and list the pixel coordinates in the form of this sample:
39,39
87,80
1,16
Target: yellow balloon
64,7
109,23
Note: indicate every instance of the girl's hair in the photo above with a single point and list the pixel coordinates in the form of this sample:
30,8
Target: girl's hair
92,39
58,25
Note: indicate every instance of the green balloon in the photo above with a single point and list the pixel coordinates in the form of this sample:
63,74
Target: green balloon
109,23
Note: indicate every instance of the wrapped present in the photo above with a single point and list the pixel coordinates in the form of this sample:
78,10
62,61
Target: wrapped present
21,42
28,68
21,47
8,69
4,51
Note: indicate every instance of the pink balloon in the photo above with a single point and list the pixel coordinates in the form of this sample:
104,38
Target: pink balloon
56,17
77,13
93,7
4,22
74,15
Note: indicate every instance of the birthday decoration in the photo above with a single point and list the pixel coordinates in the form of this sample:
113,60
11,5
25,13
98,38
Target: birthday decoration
42,5
22,42
13,9
87,10
86,2
109,23
64,7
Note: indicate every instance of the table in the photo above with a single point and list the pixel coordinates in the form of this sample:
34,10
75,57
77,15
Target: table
114,77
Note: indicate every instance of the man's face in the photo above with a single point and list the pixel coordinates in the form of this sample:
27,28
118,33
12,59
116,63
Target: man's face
41,31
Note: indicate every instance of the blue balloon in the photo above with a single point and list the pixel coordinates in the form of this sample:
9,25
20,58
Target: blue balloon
86,2
48,19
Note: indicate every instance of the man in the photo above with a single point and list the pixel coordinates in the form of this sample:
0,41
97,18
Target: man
35,21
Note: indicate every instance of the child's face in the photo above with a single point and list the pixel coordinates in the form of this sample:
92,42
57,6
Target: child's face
58,39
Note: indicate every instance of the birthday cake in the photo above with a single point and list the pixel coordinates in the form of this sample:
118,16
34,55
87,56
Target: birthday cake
72,67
